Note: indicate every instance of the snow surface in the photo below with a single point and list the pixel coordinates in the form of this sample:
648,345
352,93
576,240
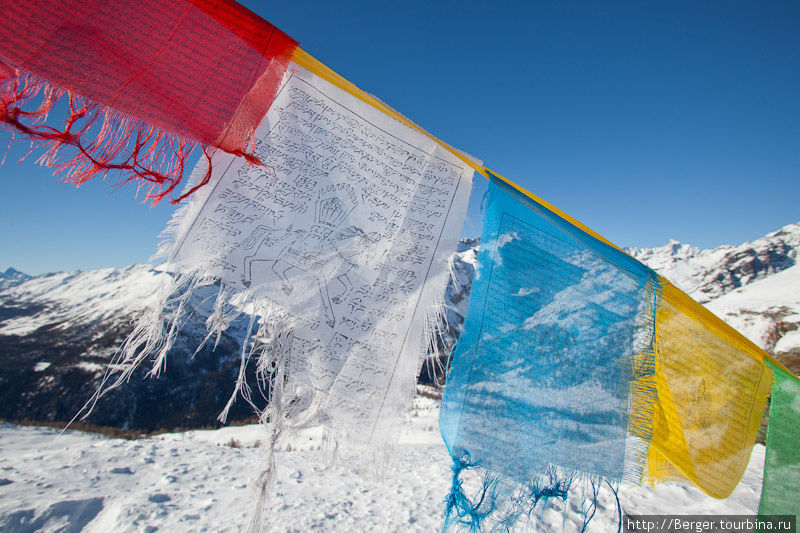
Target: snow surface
754,308
199,481
82,297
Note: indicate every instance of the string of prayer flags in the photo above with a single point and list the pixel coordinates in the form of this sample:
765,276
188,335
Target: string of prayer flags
338,247
577,364
539,390
145,83
329,219
779,493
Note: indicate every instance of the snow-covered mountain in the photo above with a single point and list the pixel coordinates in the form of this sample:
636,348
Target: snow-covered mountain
12,277
754,287
58,330
708,274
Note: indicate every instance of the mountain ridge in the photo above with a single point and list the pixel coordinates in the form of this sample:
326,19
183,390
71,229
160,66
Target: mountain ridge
708,274
58,330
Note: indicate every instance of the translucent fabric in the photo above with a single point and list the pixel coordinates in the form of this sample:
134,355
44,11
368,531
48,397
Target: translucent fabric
578,362
146,81
712,392
779,494
340,244
184,66
541,378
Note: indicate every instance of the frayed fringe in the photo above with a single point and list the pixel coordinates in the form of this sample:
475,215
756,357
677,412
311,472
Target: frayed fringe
290,403
268,347
373,462
271,348
152,337
437,344
460,511
439,337
500,503
643,392
96,141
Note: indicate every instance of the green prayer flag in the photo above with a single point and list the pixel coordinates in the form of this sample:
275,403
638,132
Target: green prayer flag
780,494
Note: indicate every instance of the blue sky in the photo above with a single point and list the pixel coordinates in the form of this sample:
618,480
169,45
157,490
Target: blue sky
645,120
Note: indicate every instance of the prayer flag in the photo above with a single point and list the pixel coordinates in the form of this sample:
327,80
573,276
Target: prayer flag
338,246
780,493
146,82
577,362
329,219
538,393
712,389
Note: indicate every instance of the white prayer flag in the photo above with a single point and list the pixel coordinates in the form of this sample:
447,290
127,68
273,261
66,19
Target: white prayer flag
341,245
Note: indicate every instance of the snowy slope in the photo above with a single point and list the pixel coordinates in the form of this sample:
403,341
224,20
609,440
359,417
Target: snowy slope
196,481
60,328
58,331
77,298
767,311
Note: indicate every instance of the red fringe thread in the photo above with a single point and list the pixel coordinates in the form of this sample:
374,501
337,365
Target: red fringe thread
100,140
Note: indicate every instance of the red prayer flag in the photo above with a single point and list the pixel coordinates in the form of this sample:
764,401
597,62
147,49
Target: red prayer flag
147,82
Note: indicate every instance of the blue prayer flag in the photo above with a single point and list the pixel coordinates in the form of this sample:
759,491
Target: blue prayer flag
540,380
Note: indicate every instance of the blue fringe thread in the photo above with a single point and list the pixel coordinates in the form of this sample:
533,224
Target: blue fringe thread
504,502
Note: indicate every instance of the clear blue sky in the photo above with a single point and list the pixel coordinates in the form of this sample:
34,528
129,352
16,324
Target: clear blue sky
645,120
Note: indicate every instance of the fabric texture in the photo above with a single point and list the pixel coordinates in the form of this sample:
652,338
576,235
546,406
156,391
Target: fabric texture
145,81
339,249
711,399
579,364
539,392
779,493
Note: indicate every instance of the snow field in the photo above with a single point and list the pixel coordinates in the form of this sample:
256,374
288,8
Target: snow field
200,481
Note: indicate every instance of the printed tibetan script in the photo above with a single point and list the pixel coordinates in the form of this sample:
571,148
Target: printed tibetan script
348,227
